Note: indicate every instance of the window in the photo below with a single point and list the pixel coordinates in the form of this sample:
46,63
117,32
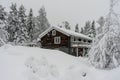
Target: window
89,41
57,40
79,39
53,32
84,40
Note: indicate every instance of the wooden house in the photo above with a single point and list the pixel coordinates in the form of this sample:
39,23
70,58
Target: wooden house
68,41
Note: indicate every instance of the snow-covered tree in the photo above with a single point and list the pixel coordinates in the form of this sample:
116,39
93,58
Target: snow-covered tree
101,23
77,28
3,17
36,30
4,36
13,22
93,30
21,35
87,28
3,13
42,21
82,30
30,25
60,26
66,25
105,52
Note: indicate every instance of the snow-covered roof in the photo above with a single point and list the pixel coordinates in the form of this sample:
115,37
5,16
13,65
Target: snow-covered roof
66,32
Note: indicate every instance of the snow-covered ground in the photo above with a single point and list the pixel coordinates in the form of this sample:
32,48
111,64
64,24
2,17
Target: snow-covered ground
25,63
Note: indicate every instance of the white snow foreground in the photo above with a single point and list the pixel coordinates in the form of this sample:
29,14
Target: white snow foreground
25,63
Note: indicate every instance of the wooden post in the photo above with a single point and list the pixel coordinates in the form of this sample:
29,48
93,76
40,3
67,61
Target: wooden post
83,52
69,45
77,52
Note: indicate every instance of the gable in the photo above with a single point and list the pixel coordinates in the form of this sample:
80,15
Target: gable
56,40
54,33
66,32
51,29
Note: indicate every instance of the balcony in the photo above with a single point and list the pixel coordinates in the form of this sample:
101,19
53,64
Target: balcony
80,44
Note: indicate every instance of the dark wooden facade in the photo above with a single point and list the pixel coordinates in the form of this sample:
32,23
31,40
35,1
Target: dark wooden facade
48,40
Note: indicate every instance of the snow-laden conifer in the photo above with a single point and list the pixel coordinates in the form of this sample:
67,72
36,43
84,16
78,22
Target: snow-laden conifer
105,51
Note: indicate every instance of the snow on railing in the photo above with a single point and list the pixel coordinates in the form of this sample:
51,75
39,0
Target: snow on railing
80,44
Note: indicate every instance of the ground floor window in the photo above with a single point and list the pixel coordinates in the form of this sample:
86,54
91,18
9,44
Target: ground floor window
57,40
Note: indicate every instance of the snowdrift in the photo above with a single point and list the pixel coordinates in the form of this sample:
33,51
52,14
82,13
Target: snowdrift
25,63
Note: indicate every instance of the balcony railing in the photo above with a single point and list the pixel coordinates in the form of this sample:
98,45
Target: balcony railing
80,44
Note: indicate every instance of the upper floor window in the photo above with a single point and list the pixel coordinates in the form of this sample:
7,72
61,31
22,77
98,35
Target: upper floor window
53,32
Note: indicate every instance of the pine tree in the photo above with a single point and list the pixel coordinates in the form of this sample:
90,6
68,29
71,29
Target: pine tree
87,28
60,26
101,23
66,25
13,22
93,30
42,21
36,30
3,15
82,31
77,28
21,35
4,36
30,25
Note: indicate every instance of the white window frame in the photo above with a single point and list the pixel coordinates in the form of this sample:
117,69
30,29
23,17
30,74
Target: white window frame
57,40
53,32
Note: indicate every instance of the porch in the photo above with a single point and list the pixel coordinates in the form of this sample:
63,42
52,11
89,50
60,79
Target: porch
79,48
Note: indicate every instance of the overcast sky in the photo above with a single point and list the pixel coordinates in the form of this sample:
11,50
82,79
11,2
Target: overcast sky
73,11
